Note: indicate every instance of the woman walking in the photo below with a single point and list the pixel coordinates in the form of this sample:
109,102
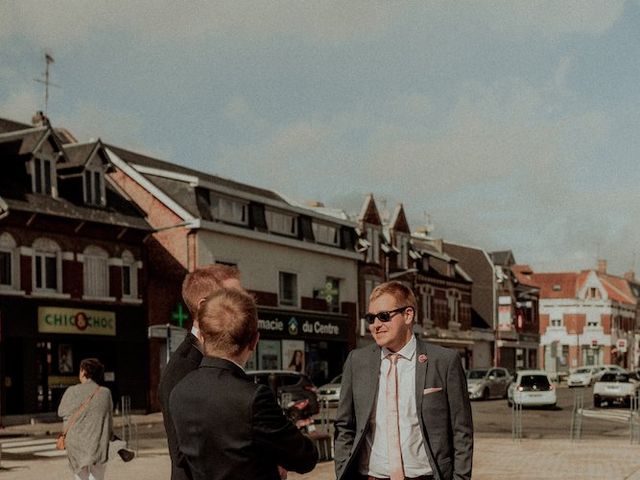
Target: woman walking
87,412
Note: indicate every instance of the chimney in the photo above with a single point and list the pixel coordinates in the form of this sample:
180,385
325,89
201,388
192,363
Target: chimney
40,119
630,276
602,266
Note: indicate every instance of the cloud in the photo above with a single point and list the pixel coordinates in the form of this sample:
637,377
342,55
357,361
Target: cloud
54,24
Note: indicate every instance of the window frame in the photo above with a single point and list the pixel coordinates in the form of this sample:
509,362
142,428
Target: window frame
94,283
40,167
92,175
45,249
322,233
294,301
8,246
129,262
278,222
229,210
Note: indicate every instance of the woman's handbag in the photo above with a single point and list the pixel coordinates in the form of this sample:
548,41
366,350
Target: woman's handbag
61,437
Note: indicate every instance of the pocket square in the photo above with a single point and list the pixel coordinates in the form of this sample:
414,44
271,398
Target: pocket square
431,390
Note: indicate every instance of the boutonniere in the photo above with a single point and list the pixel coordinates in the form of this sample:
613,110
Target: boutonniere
422,358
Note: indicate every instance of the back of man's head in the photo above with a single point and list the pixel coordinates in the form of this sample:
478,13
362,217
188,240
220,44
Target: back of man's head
203,281
228,322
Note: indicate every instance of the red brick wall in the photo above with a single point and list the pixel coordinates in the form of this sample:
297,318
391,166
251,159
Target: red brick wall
575,323
606,320
544,323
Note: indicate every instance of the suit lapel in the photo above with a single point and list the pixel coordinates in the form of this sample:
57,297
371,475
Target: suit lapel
371,381
421,372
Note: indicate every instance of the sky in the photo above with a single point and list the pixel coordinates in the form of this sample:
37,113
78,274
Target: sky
503,124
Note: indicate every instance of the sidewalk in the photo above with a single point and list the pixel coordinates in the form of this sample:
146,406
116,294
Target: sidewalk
494,459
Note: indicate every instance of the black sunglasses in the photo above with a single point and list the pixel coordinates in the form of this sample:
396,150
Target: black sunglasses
384,316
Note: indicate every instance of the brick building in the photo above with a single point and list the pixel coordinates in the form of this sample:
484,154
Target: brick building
72,271
299,262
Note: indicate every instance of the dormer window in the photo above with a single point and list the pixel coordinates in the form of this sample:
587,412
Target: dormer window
326,234
229,210
373,252
402,244
593,293
282,223
94,190
43,179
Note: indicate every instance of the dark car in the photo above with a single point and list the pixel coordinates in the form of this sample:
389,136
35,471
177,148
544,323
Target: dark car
288,387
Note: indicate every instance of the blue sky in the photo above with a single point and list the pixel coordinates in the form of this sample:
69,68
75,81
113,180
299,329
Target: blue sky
514,125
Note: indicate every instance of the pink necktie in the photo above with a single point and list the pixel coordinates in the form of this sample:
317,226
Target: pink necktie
396,471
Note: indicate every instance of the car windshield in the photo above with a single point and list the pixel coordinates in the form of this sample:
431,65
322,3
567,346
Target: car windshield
535,381
476,374
583,370
615,377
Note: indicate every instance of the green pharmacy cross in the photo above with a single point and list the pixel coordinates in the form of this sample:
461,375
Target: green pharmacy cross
179,315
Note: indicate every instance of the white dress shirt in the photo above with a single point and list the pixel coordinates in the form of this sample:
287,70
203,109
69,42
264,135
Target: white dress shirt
373,460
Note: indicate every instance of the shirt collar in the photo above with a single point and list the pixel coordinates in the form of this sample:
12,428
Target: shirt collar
407,351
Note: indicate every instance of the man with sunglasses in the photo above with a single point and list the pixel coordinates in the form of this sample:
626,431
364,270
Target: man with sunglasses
404,411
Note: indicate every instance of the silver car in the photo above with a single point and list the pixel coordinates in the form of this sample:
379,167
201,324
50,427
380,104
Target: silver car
485,383
330,392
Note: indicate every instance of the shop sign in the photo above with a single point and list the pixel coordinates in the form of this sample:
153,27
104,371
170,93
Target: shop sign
504,317
301,327
76,321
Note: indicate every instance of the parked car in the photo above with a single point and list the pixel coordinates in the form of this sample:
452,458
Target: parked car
484,383
602,369
615,388
532,388
582,377
330,392
288,386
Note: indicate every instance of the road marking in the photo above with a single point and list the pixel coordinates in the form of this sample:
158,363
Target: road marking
613,415
41,447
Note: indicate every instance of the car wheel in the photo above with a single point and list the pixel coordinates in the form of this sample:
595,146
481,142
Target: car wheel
485,394
510,403
597,402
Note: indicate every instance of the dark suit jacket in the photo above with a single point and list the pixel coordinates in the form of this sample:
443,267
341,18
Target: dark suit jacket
184,360
231,428
445,415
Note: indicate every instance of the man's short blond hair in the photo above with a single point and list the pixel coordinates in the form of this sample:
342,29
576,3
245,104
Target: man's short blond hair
203,281
228,321
404,295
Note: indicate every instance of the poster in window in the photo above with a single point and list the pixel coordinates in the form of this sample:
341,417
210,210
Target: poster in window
252,363
293,355
269,354
65,358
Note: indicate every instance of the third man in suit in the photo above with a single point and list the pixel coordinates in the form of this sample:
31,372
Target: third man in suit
404,410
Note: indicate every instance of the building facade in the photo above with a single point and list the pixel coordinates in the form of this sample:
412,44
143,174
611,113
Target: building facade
297,261
586,318
72,272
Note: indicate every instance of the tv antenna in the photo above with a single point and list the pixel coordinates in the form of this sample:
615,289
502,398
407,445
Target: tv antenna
48,58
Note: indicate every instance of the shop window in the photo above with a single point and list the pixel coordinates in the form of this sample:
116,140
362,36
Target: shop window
94,189
129,276
229,210
288,289
326,234
47,266
96,272
281,223
8,263
43,178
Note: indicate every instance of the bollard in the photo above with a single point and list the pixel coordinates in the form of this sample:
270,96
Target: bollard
576,415
634,421
516,419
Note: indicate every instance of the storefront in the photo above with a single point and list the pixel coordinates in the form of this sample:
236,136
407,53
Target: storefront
312,343
44,341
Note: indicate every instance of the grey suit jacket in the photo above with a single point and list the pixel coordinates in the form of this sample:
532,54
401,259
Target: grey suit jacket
445,415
